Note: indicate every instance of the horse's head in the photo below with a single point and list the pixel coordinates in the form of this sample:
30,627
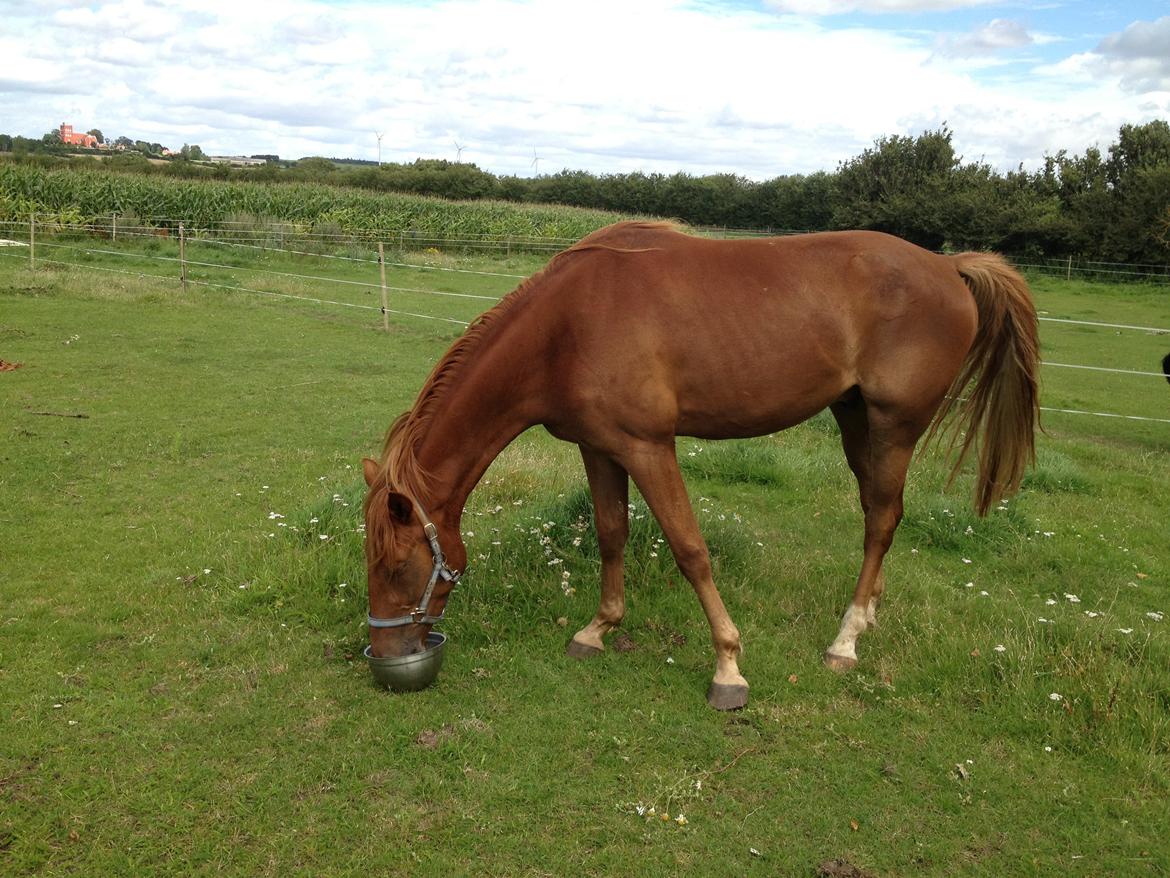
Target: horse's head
408,576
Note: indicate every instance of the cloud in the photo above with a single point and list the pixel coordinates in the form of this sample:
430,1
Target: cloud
842,7
995,36
681,85
1140,55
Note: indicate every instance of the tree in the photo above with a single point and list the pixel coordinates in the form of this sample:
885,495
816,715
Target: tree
192,153
124,142
5,143
1138,147
315,169
900,186
97,134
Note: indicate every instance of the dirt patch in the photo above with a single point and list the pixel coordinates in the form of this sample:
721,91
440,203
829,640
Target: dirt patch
623,643
6,366
429,739
841,869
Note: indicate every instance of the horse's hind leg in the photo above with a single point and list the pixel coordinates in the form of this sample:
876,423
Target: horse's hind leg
655,471
610,487
853,420
880,460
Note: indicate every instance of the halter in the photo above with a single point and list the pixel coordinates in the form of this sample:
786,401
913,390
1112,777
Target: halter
440,570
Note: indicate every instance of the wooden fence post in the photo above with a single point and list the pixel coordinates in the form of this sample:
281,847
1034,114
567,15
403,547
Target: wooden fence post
382,270
113,227
183,257
1068,272
32,240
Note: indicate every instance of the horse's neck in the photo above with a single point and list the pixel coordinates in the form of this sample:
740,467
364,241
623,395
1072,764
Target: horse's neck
489,405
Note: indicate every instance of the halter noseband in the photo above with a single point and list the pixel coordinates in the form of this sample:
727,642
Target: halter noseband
440,570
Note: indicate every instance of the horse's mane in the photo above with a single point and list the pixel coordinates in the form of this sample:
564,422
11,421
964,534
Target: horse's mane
400,467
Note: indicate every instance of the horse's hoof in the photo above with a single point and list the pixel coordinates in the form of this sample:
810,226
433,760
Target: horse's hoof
579,650
839,663
723,696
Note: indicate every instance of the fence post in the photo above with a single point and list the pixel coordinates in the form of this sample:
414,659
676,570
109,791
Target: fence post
1068,271
382,270
183,257
114,227
32,240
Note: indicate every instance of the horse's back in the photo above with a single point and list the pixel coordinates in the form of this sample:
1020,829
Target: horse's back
727,338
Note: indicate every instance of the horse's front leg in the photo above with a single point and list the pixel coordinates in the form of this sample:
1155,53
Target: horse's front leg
610,486
654,469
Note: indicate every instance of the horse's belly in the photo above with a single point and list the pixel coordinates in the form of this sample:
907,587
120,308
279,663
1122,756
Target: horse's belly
756,401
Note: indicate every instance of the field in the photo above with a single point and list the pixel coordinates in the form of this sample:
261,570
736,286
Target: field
77,195
182,605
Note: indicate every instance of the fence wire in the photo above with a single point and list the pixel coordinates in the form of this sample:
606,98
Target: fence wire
97,251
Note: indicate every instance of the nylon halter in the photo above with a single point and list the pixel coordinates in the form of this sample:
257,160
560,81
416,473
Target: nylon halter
440,570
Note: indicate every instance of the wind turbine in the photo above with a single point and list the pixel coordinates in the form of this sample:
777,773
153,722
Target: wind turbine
379,135
535,162
458,151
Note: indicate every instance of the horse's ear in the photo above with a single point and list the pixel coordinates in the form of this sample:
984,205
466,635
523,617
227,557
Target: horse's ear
370,471
401,507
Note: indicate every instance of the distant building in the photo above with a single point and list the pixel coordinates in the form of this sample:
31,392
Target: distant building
237,160
71,138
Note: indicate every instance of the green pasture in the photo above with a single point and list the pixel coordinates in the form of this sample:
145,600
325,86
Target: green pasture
182,605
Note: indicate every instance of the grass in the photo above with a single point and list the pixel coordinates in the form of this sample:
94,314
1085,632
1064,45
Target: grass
181,690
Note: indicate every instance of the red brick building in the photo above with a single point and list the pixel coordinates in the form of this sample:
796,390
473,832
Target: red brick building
69,138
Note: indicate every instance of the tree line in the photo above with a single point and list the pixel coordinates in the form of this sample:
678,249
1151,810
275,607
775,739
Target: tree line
1111,205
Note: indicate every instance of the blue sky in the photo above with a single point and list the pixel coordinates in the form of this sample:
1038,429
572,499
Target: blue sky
752,87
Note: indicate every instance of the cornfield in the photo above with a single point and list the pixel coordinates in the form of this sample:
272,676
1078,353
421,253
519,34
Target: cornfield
83,196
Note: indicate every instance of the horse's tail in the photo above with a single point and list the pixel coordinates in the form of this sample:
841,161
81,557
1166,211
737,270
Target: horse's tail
1000,410
1166,366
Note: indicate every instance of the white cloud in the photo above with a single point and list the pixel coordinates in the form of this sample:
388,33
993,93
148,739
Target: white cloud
1140,55
676,86
996,36
841,7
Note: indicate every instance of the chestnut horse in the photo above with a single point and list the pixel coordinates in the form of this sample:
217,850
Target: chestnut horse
638,334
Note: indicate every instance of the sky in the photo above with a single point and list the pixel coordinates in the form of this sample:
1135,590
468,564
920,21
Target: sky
757,88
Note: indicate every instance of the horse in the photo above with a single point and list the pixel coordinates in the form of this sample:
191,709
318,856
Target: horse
640,333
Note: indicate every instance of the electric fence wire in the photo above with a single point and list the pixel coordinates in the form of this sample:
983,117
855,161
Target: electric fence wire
467,323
